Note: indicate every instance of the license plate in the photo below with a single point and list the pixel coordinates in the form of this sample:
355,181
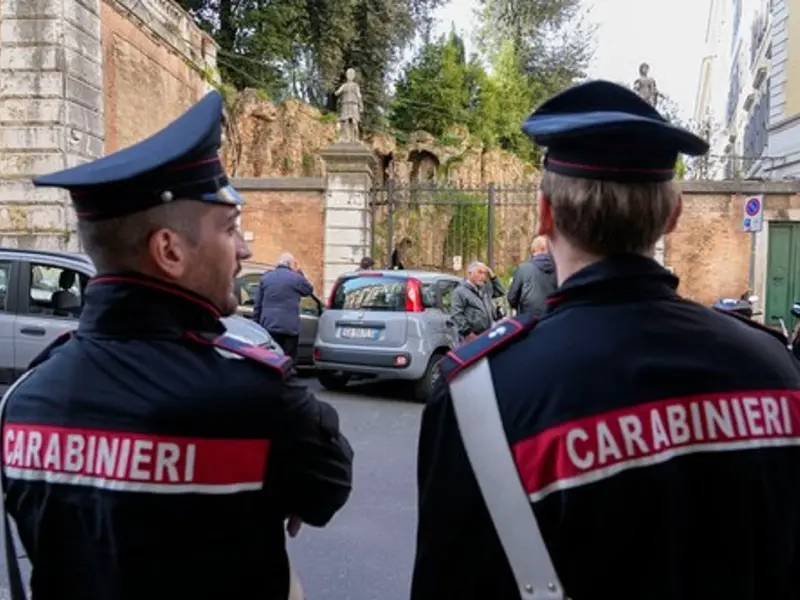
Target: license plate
359,333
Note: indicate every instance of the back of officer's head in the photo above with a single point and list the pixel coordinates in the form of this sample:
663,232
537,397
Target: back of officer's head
607,186
604,218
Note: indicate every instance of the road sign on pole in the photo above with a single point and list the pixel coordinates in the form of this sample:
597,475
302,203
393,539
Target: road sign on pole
753,220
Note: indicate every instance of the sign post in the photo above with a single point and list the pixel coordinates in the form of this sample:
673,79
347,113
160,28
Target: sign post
753,220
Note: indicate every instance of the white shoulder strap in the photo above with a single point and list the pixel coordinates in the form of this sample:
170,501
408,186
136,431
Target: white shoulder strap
484,437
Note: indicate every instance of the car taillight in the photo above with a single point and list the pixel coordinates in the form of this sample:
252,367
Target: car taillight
414,296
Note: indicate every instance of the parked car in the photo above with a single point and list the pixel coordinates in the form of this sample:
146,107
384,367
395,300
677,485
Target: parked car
386,325
31,318
311,308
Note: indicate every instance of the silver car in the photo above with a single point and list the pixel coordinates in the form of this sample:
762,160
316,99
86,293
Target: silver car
31,318
386,325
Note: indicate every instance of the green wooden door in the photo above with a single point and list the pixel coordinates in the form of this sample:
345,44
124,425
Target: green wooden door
783,272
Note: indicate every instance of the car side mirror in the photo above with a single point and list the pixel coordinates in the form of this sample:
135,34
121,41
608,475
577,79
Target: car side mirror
795,310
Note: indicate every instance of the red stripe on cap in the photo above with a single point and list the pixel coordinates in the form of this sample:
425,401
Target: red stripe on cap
590,449
197,163
600,168
132,461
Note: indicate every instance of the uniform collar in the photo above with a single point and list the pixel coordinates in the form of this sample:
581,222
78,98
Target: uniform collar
131,304
622,278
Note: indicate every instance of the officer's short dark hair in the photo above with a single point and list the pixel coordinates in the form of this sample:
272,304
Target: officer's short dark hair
606,217
115,244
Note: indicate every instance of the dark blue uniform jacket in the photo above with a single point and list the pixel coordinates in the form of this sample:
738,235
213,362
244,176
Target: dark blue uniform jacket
657,439
146,457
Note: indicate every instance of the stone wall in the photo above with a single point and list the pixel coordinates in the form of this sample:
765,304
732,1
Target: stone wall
80,78
286,215
51,113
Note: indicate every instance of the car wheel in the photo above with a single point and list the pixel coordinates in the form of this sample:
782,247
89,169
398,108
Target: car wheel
423,386
332,380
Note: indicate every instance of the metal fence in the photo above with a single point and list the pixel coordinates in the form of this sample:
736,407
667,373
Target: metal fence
445,228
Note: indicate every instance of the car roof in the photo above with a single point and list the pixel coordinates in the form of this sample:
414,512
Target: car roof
424,276
73,258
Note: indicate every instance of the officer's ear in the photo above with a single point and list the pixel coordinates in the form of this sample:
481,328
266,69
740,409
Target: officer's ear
544,215
169,251
672,222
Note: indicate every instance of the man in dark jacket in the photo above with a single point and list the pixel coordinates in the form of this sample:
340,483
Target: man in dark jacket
276,306
472,305
534,281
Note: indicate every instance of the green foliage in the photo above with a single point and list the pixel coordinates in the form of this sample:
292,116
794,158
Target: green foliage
441,88
301,48
432,94
468,230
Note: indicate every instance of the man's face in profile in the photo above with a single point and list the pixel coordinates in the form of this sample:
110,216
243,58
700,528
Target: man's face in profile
216,258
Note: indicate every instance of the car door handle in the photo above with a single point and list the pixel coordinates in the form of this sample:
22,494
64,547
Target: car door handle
38,331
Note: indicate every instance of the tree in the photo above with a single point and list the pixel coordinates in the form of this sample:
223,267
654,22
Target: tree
551,38
302,47
435,90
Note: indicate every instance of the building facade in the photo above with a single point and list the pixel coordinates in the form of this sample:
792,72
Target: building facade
746,119
784,112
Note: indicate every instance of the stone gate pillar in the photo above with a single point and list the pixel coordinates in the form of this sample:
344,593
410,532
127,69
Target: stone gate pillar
348,216
51,110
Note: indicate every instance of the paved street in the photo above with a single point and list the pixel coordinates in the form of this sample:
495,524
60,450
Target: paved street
366,552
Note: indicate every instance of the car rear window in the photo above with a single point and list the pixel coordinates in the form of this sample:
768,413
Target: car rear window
371,293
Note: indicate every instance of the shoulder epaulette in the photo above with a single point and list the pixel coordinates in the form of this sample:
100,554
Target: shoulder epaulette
489,341
754,324
45,354
276,362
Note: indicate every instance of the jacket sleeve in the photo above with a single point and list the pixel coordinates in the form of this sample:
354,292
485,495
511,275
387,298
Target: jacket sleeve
304,286
456,544
257,301
515,289
311,462
458,311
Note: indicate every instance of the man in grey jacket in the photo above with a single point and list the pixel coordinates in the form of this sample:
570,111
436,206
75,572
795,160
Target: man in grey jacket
471,304
534,281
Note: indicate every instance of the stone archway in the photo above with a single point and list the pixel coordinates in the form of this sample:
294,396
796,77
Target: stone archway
424,166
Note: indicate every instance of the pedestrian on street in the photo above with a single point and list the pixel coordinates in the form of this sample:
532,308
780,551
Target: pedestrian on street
366,264
630,443
534,281
472,306
148,454
276,306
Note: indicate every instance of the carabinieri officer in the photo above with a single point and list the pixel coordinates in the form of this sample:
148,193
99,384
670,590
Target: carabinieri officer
149,454
655,441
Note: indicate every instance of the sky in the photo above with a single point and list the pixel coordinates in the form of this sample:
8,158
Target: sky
669,36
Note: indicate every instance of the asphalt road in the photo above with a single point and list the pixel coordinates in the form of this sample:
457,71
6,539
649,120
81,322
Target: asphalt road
366,552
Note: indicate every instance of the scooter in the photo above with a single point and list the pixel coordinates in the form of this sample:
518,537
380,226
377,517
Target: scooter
794,338
743,305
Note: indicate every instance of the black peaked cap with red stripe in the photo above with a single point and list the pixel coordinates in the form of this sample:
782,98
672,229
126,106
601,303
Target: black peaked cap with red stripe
179,162
604,131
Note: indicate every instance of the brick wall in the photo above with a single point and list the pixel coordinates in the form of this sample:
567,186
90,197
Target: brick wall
154,57
709,251
286,215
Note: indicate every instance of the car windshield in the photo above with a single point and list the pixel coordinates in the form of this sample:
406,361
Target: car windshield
371,292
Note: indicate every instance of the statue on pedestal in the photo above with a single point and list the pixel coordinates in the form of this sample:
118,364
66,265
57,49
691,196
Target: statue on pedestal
645,86
350,107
